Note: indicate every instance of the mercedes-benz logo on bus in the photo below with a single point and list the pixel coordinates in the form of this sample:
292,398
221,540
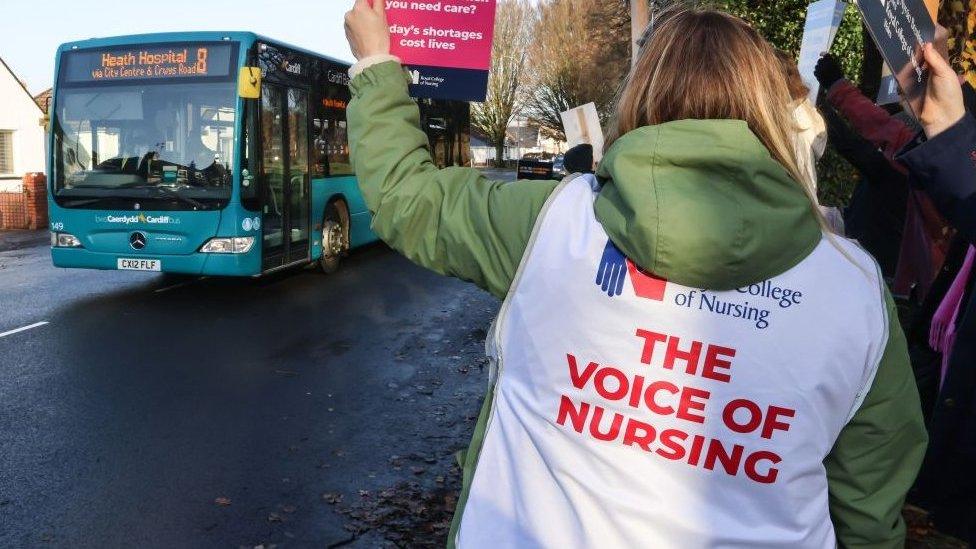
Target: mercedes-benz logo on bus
137,240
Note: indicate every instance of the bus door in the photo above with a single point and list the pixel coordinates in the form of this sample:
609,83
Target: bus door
285,174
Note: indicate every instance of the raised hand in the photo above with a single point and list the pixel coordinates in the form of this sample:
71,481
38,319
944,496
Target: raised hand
613,270
828,71
367,30
943,105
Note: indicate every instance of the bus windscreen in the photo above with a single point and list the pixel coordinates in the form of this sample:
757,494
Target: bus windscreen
211,60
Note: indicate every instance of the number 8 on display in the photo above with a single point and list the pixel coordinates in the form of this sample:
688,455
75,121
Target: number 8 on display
202,61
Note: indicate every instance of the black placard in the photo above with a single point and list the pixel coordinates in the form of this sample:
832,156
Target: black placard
149,62
899,28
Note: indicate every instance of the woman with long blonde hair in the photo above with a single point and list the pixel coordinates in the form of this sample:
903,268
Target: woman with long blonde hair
683,358
809,133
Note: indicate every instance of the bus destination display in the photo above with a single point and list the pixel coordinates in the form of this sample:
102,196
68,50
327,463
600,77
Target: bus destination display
148,63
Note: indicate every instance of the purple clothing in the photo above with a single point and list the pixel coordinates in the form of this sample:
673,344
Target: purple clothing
942,334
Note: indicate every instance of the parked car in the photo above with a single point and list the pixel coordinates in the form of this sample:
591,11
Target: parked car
558,167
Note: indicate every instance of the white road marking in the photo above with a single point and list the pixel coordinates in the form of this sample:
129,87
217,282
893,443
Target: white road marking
23,328
180,285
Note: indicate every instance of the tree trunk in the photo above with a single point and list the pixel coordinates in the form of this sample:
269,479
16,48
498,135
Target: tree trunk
639,17
500,154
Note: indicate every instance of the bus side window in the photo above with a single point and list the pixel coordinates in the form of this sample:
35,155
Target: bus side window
339,152
331,143
320,148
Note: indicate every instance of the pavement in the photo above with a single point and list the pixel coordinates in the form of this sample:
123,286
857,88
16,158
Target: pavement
15,240
292,411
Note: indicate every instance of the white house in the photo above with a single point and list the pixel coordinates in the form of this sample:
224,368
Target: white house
522,138
21,132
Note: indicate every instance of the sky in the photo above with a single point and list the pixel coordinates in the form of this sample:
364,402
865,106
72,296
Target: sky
31,30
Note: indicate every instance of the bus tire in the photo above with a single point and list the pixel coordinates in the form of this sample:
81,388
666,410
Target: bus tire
335,236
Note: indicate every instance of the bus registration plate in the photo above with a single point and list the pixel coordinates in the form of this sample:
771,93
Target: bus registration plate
126,264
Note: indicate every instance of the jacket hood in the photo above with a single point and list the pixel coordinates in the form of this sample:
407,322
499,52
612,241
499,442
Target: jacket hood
703,204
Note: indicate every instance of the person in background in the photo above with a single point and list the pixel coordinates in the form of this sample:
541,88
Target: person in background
579,159
926,235
701,267
943,164
875,214
810,137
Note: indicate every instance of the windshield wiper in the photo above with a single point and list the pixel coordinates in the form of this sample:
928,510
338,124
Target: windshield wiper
87,201
176,194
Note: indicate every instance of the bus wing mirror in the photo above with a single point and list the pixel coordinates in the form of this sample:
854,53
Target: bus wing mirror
249,83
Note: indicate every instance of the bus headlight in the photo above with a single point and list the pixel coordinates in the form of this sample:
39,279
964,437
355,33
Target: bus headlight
235,245
64,240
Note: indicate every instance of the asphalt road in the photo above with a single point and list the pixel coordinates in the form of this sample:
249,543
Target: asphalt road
290,411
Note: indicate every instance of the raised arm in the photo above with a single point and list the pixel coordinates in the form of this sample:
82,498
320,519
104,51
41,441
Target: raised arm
454,220
863,155
869,120
945,165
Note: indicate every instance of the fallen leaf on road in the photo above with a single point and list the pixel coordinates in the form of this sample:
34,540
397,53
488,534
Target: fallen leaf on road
222,501
407,514
332,498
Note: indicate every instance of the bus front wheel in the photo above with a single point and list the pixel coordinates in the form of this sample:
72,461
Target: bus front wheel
335,237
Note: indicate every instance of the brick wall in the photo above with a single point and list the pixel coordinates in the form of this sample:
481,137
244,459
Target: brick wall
28,208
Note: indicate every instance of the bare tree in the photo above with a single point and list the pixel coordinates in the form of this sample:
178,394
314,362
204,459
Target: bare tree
580,54
514,22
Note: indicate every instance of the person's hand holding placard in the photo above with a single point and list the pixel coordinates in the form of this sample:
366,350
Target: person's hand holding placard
943,106
827,71
367,29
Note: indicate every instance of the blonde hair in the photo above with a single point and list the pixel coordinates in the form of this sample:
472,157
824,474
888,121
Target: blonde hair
706,64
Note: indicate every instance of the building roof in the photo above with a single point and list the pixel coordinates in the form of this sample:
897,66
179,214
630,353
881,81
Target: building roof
18,80
43,99
478,140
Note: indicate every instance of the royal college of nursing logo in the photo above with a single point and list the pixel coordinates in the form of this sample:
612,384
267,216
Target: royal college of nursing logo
754,303
613,270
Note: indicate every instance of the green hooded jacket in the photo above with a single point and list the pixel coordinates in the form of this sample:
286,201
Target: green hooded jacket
705,187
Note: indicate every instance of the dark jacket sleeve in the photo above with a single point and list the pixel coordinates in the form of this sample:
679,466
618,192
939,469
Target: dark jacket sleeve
861,153
869,120
945,167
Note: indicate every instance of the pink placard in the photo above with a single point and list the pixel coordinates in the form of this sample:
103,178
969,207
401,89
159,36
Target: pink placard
445,33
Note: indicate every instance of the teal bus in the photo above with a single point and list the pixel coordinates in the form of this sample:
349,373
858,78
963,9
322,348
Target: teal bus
210,153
